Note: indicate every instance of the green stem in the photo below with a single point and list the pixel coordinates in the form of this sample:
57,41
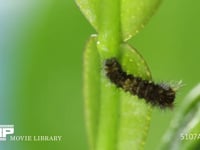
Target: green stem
108,46
109,37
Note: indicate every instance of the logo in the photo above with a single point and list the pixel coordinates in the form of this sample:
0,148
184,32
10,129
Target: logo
6,130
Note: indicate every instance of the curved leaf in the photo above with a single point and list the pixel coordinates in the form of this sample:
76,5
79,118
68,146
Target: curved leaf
185,124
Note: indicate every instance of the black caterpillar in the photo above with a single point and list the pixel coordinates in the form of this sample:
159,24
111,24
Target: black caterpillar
161,95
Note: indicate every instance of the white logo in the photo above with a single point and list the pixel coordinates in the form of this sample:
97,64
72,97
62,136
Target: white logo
6,130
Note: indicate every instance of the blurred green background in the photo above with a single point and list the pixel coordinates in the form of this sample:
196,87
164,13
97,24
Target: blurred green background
41,48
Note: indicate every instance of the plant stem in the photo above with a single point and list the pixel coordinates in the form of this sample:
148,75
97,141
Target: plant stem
109,37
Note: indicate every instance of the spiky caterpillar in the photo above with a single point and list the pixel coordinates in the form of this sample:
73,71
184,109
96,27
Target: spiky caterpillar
161,95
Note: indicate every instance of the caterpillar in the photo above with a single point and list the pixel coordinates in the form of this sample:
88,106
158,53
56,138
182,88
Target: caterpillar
161,95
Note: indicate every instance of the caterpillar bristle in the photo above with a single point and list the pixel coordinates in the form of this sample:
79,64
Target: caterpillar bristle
161,95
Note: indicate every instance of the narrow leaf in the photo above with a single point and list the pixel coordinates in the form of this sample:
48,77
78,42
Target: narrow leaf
135,114
91,88
185,125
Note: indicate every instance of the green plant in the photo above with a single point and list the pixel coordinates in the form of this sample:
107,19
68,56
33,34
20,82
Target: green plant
115,119
184,130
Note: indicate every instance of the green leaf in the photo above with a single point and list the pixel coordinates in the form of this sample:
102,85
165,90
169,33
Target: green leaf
91,89
116,120
133,14
90,8
185,125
